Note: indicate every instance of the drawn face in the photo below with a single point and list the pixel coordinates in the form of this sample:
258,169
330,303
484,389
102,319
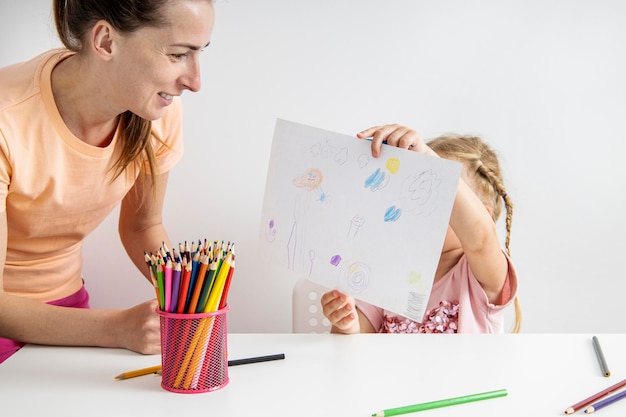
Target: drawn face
153,64
309,180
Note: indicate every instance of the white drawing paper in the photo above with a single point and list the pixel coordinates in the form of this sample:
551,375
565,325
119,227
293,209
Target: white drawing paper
370,227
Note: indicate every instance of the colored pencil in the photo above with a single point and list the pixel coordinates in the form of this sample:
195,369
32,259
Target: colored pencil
194,275
184,285
167,283
256,359
175,286
440,403
591,399
607,401
161,283
229,278
218,287
139,372
603,366
197,289
206,288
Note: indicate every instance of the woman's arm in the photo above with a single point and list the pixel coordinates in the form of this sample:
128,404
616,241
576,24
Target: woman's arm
31,321
141,221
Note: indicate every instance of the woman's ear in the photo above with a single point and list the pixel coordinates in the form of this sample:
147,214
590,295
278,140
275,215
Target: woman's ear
101,41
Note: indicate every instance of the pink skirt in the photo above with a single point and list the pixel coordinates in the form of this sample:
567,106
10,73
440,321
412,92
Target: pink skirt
79,299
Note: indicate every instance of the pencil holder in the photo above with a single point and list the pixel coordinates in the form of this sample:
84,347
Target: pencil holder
194,351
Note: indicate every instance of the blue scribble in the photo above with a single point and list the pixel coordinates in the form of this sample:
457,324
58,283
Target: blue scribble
392,214
375,180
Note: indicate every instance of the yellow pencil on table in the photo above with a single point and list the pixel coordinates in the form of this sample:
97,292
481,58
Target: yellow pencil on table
139,372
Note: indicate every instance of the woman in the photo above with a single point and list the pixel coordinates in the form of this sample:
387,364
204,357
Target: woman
82,129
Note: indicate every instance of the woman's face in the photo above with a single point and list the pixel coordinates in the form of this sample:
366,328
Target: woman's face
154,64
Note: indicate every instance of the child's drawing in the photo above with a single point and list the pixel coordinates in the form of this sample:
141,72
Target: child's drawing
363,160
270,234
377,180
357,277
420,192
392,214
363,234
355,224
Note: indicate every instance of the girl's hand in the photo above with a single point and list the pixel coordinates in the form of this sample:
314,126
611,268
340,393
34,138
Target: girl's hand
340,310
394,135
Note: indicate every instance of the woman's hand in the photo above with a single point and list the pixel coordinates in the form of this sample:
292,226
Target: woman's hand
139,329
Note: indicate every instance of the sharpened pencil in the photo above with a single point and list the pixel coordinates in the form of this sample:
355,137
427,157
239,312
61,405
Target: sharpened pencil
607,401
139,372
440,403
601,360
589,400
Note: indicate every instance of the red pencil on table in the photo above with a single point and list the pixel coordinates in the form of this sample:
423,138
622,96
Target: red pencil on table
588,401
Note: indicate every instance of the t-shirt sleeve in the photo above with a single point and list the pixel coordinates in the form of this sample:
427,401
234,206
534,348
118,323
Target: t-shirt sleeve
167,138
509,290
372,313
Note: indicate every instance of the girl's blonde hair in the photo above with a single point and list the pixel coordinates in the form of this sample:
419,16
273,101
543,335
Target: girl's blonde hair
481,168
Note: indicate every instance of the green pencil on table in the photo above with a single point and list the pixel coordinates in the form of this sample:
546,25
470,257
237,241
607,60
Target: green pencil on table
440,403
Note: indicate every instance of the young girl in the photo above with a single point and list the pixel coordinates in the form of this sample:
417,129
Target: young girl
475,280
83,129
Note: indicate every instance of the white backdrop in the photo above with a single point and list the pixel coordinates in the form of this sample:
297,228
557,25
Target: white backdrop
542,81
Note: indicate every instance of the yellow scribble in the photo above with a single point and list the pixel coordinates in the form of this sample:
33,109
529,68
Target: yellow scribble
414,278
393,165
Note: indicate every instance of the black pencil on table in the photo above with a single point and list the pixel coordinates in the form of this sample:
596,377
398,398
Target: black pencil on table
244,361
603,366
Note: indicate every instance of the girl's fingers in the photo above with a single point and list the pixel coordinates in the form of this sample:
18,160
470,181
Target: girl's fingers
391,134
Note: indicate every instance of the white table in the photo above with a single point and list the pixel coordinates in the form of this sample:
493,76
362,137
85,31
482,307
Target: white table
327,375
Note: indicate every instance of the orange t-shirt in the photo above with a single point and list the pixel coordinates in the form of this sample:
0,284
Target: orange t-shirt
54,188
